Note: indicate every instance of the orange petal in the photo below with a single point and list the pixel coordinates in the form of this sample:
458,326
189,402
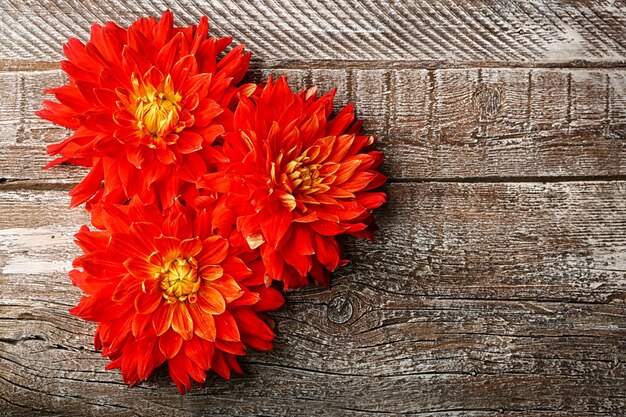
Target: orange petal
228,287
211,272
162,318
203,323
182,322
347,170
211,301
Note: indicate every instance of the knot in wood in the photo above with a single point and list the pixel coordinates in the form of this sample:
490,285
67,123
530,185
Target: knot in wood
487,101
339,310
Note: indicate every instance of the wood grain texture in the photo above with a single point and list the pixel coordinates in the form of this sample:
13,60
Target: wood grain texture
296,31
432,124
497,284
476,300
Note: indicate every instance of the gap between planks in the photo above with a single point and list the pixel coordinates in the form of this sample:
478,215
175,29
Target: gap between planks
255,64
37,185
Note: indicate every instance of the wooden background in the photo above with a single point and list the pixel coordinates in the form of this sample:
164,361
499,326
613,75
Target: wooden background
497,285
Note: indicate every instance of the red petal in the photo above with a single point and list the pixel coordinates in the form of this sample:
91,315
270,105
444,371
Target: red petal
275,226
144,231
95,264
236,267
271,299
189,142
140,268
219,364
247,299
88,186
209,110
166,156
149,357
235,348
162,318
199,352
214,251
190,247
127,287
360,181
146,303
178,373
327,228
227,327
140,324
123,246
327,251
168,246
251,324
170,344
136,156
181,227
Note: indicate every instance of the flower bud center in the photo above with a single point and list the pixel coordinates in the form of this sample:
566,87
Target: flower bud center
156,108
180,280
304,178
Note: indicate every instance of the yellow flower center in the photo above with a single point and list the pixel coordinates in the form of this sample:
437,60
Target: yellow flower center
156,108
301,175
180,280
305,179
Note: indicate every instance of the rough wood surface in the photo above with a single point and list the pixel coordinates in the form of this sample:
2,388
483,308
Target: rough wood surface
278,31
432,124
497,284
498,298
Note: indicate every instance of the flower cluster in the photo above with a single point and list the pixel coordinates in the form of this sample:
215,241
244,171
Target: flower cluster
206,194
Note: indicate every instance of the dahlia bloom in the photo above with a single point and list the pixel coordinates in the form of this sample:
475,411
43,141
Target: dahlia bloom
296,178
144,103
165,287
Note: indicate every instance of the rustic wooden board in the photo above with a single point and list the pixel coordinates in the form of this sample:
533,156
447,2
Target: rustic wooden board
497,284
476,299
433,124
295,31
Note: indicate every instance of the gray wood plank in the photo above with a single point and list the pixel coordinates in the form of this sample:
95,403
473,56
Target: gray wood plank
433,124
476,300
441,32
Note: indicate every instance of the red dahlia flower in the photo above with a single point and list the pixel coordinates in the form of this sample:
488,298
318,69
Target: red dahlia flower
296,179
164,287
145,103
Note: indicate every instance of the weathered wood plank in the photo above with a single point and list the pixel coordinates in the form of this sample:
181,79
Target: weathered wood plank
445,124
476,300
435,31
